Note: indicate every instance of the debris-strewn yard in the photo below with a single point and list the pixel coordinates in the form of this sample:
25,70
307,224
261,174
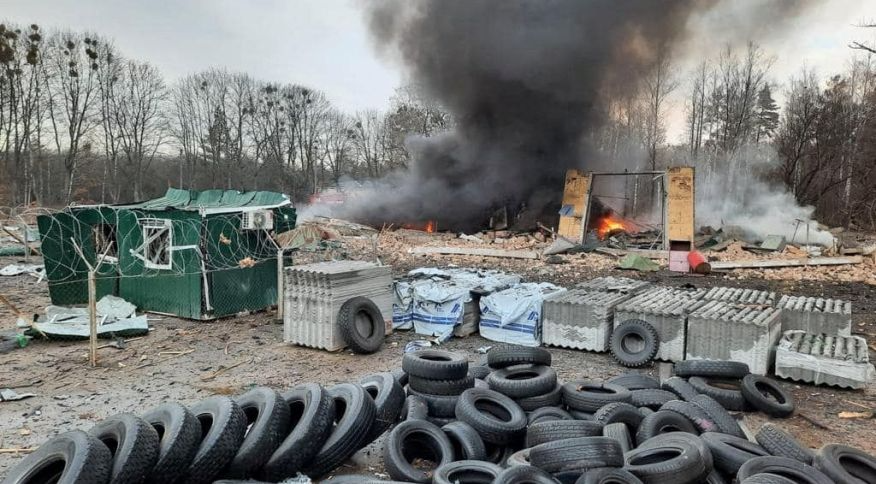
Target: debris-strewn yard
187,360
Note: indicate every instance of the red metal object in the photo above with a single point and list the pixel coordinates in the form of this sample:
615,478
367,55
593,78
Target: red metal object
698,262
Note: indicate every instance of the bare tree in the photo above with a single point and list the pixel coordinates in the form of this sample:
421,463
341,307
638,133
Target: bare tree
138,116
73,82
370,141
339,140
658,85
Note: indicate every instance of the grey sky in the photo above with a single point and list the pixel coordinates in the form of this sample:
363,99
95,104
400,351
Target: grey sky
324,43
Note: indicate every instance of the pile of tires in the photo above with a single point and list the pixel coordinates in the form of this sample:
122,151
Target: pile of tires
629,429
451,422
261,434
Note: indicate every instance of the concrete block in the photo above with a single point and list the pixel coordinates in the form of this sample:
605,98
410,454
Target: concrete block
816,315
667,310
742,332
740,295
580,319
842,361
623,285
314,293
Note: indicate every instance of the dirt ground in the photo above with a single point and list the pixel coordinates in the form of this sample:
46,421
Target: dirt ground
186,360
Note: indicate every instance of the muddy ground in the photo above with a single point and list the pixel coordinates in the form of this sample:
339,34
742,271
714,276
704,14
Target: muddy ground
186,361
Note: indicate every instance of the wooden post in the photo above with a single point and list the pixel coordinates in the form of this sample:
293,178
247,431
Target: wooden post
92,316
280,285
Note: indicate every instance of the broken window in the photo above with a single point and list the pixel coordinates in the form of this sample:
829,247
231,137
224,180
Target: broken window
104,236
157,243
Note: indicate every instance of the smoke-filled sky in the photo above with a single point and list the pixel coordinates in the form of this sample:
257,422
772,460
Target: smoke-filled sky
325,43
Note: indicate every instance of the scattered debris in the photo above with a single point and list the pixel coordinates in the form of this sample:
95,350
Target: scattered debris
513,254
772,263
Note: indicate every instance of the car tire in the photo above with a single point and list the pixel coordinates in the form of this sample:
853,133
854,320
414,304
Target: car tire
355,413
668,458
712,369
785,467
846,465
546,414
312,414
620,432
467,472
134,446
467,444
718,414
496,418
179,433
414,439
680,387
661,422
587,396
701,420
388,396
435,365
653,398
267,418
578,454
509,355
608,475
619,412
523,381
757,390
71,458
415,408
554,430
223,426
635,381
628,355
361,325
729,398
443,406
730,452
549,399
524,474
441,387
781,444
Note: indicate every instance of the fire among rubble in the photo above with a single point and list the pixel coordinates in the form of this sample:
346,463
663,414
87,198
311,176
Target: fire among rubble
429,226
611,224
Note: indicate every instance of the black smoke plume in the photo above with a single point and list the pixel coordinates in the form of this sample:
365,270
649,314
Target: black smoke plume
525,82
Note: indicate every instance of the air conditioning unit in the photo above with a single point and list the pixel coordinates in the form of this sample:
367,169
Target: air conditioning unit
258,220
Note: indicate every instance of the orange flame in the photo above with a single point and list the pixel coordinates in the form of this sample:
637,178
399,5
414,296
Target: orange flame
429,226
611,224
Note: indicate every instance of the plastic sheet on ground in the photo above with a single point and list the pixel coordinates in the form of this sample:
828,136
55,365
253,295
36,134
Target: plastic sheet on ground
514,315
16,269
638,263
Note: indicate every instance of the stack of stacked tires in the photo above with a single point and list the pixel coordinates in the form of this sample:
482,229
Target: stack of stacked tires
629,429
261,434
460,423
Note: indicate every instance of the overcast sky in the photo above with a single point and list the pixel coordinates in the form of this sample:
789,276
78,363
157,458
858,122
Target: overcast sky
324,43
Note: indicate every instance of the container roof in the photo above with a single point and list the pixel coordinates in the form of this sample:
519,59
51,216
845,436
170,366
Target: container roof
212,201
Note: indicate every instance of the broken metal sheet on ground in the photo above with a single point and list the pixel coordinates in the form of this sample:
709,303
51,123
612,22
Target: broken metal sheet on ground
9,395
79,329
16,269
115,307
559,246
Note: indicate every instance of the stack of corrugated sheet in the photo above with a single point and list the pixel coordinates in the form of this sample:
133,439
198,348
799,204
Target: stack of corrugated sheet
740,295
622,285
580,318
748,333
314,293
822,359
816,315
666,309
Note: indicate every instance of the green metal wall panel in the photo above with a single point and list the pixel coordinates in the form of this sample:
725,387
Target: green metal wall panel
175,291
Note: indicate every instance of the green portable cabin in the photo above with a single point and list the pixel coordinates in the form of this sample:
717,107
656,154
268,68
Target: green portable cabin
193,254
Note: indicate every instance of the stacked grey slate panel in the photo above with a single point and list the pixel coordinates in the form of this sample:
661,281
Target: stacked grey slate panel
842,361
816,315
740,295
748,333
623,285
666,309
314,293
580,318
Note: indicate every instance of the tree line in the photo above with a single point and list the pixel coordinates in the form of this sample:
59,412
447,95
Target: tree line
80,121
